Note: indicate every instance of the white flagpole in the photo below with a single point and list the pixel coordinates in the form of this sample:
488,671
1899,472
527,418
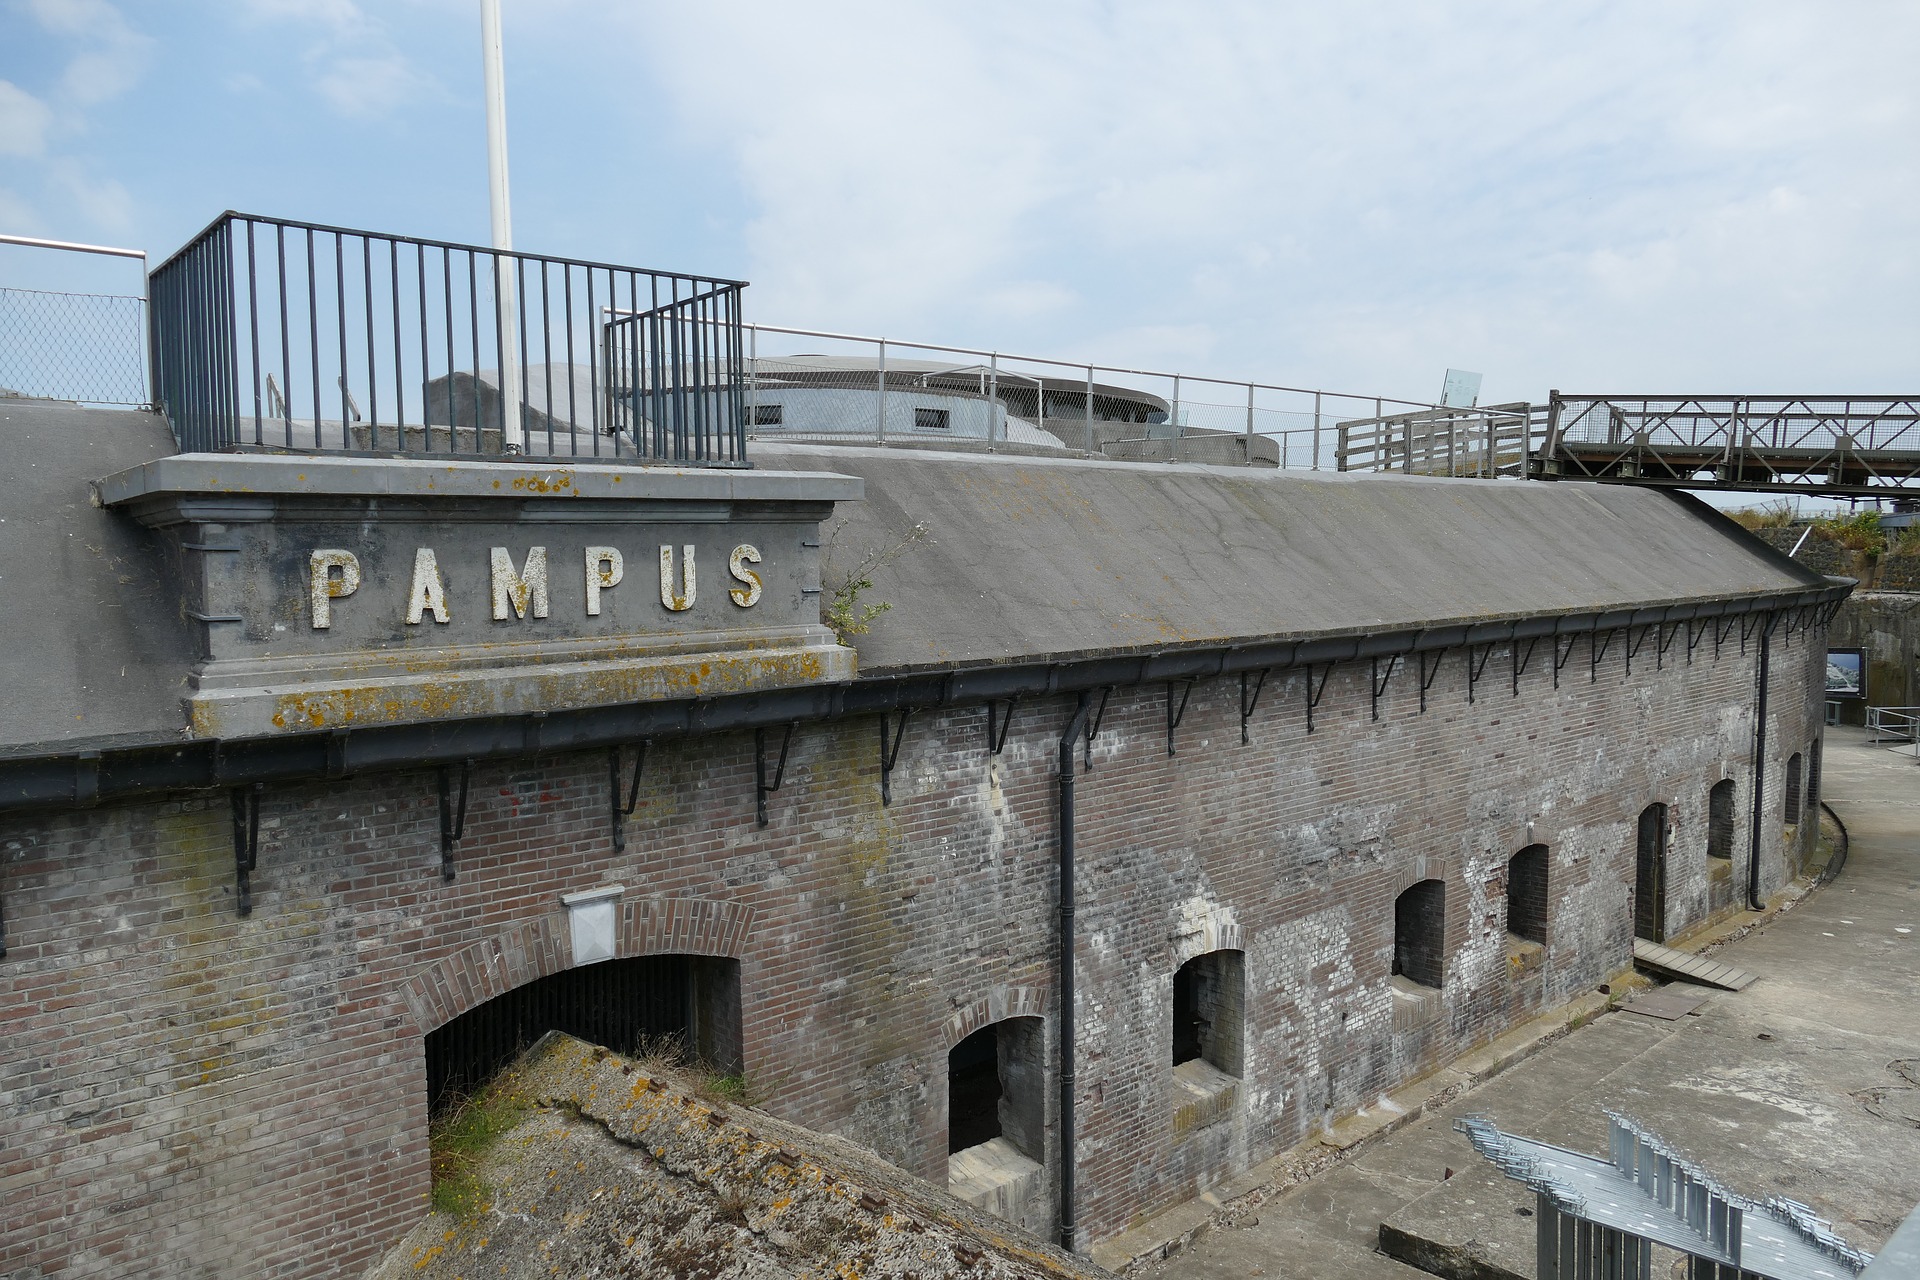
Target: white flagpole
513,439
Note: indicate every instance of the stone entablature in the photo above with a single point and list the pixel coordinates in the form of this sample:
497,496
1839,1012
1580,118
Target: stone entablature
347,592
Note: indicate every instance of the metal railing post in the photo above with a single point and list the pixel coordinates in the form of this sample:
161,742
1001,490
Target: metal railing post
1089,410
993,394
1316,431
1173,419
880,390
753,378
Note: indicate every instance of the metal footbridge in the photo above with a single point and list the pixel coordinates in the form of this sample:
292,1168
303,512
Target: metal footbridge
1838,445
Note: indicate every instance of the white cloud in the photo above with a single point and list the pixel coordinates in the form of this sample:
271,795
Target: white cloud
354,65
24,121
1361,193
101,201
115,55
369,87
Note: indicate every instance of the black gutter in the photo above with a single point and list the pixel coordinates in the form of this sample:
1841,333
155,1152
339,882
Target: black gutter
1069,748
1759,768
66,774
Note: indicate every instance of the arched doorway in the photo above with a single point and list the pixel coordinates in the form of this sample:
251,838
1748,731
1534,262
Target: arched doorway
1650,875
622,1004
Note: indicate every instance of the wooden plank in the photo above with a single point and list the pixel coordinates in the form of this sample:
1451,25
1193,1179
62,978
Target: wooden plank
1679,964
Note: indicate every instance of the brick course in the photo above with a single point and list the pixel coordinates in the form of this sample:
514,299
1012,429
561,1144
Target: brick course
190,1093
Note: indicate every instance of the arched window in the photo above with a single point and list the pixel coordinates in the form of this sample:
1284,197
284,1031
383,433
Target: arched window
1792,796
995,1087
1813,777
1650,875
1720,819
1420,933
1527,894
1209,1010
625,1005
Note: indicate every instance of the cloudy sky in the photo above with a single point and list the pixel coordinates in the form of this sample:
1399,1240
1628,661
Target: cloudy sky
1649,195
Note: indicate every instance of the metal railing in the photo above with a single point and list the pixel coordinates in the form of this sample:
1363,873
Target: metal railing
1894,724
1729,424
272,334
847,388
1488,441
1837,444
86,347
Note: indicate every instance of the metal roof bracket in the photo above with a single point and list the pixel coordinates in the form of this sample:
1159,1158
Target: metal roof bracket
761,787
1427,675
1595,652
453,821
1520,663
246,843
1248,704
620,810
1378,681
1474,669
1634,646
1093,724
1666,640
890,751
999,726
1175,716
1316,692
1559,658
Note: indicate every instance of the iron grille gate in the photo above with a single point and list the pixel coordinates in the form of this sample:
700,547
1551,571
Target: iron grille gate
617,1003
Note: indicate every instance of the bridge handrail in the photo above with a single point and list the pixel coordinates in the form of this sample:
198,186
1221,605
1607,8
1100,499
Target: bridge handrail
1736,422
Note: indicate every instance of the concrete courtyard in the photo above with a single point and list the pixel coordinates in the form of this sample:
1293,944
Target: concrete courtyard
1805,1085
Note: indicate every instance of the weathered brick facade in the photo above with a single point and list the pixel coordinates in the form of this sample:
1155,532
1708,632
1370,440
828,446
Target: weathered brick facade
188,1093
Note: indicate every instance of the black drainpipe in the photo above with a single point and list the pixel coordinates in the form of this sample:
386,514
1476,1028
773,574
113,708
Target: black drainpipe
1759,767
1069,744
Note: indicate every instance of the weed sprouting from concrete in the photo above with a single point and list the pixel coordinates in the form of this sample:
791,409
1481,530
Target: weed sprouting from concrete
843,610
654,1055
460,1137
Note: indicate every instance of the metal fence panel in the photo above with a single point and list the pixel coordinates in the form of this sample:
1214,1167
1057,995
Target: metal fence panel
87,347
273,334
805,384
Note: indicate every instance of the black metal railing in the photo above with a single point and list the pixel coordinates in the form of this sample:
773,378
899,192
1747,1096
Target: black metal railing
278,335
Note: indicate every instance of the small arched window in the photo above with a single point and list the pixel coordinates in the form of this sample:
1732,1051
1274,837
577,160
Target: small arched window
1420,933
1209,1010
1527,894
1720,819
1793,789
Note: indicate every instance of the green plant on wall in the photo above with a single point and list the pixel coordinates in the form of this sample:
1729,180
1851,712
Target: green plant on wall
1768,515
1859,532
844,609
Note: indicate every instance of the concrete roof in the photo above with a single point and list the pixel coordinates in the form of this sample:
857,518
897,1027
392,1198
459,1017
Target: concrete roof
94,642
621,1169
1069,558
1025,559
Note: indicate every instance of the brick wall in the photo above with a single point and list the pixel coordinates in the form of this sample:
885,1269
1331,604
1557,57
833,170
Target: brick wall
189,1093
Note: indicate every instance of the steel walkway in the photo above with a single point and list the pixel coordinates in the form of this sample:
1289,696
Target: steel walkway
1838,446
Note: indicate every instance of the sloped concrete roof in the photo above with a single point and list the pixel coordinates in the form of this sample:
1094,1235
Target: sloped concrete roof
1025,559
1032,557
93,641
624,1172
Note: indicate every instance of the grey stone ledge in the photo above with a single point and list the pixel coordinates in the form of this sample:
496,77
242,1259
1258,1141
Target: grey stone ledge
274,475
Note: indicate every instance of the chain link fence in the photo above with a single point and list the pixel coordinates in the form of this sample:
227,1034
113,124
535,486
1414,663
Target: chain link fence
808,385
87,347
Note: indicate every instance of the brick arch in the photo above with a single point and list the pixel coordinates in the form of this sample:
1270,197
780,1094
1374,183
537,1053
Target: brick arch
1442,867
999,1004
475,974
1218,931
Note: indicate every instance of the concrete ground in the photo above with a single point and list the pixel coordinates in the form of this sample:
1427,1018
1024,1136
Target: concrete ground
1805,1085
